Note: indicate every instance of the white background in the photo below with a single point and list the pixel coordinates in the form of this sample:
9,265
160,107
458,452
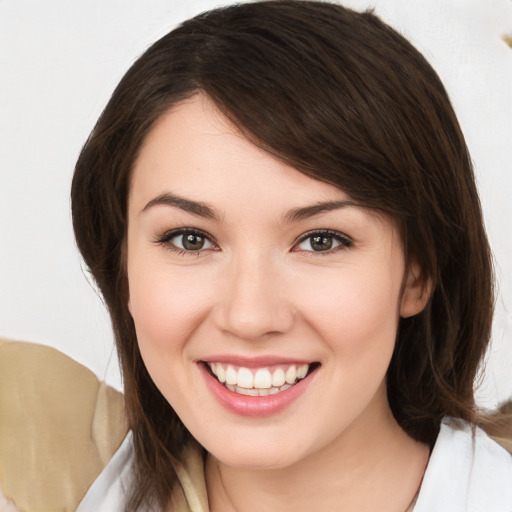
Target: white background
60,61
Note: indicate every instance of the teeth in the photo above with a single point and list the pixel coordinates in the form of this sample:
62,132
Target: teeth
261,383
245,378
262,379
278,378
220,373
291,375
301,371
231,376
245,391
257,392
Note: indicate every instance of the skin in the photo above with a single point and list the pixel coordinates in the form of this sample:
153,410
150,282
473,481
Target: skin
257,288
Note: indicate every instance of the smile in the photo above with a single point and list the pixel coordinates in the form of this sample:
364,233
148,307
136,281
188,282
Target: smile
258,381
257,387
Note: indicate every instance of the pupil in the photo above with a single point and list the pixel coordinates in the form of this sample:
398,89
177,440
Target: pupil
193,242
321,243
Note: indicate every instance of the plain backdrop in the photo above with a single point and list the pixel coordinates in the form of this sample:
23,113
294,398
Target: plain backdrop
60,61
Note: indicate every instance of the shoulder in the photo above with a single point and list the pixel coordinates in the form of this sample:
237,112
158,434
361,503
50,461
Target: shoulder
467,472
58,424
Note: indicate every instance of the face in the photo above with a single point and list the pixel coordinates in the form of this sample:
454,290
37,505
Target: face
266,303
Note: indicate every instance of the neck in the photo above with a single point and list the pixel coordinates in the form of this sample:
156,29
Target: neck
373,465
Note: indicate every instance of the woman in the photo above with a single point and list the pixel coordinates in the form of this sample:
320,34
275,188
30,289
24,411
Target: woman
279,209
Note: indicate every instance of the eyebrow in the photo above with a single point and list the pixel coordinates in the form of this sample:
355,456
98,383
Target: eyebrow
310,211
204,210
195,207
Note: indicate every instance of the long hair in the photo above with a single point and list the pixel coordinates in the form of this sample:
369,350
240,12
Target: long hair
346,100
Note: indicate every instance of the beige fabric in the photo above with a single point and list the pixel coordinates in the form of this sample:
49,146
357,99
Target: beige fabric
191,496
58,427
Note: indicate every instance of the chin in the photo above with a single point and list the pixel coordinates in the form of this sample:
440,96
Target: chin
257,453
256,459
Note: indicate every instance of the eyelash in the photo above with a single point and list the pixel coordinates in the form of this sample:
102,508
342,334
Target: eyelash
165,240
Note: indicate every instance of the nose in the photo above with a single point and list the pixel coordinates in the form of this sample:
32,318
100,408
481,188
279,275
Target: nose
253,302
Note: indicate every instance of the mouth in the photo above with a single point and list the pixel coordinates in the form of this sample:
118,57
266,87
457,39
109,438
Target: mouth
262,381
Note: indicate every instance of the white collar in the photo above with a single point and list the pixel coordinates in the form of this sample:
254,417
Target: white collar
466,473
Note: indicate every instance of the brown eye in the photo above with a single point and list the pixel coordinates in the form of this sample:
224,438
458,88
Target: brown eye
192,242
324,241
321,243
187,241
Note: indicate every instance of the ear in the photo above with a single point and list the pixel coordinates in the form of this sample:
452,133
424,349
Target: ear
416,292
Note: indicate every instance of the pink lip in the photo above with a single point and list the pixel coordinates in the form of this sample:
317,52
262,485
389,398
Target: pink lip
254,406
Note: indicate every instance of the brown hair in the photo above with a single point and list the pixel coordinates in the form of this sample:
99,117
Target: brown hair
345,99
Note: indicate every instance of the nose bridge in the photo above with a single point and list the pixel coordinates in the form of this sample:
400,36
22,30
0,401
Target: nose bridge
253,303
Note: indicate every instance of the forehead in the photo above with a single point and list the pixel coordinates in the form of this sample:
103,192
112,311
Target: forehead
194,151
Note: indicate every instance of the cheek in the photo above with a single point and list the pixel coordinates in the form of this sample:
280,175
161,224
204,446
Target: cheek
356,310
166,306
167,309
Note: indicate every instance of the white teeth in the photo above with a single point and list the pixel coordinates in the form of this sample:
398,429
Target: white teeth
245,378
278,378
262,379
231,376
245,391
302,371
221,374
257,392
260,383
291,375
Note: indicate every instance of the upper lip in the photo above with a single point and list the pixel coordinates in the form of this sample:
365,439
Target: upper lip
254,362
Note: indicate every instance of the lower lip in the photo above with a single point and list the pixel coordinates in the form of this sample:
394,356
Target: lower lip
254,406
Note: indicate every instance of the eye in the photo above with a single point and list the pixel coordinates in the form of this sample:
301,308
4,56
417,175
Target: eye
186,240
323,241
190,242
